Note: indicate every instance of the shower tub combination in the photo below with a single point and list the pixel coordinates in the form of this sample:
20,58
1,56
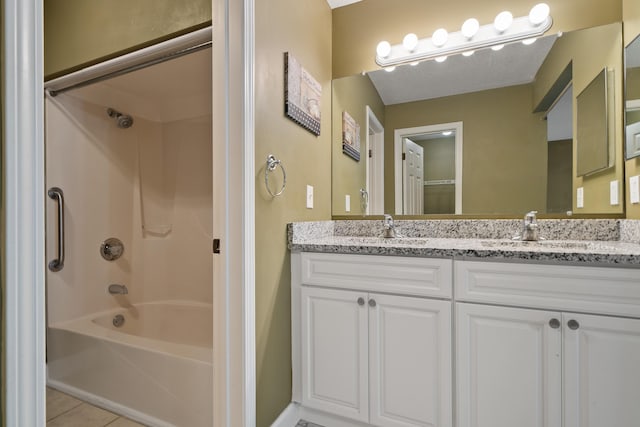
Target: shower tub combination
132,151
158,361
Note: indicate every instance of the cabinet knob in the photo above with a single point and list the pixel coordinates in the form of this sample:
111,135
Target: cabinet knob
554,323
372,303
360,301
573,324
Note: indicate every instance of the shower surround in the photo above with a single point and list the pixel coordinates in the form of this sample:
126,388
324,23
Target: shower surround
133,156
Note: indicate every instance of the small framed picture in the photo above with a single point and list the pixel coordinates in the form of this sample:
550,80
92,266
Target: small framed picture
350,137
302,95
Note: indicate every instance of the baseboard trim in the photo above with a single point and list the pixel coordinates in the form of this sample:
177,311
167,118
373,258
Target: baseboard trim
289,417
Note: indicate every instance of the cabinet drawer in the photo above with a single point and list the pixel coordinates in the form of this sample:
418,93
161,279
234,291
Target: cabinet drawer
399,275
603,290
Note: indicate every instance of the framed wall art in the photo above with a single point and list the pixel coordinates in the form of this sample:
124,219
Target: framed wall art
350,137
302,95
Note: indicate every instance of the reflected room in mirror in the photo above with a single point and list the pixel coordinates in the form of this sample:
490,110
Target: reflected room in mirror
518,128
632,99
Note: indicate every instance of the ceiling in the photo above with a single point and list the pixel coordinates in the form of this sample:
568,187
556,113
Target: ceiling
486,69
339,3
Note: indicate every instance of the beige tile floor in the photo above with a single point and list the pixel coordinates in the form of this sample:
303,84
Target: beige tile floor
67,411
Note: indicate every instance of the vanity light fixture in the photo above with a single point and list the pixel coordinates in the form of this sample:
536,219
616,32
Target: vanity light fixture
472,36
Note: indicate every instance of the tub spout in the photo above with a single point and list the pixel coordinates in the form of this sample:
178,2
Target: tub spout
116,289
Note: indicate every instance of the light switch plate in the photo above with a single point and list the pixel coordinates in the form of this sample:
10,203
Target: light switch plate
634,189
580,197
613,193
309,197
347,203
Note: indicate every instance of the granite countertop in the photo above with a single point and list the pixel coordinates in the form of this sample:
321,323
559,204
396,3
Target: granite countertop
617,241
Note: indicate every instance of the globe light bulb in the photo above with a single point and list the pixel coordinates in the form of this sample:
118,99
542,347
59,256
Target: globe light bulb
468,53
441,58
503,21
383,49
439,37
527,42
390,69
470,28
410,42
539,14
497,47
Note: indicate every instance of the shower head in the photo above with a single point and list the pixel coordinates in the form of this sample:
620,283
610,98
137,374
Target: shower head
123,121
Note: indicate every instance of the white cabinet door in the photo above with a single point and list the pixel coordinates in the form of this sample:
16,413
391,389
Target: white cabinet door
508,363
335,352
601,371
410,361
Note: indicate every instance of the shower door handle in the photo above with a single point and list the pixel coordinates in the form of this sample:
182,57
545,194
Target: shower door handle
56,194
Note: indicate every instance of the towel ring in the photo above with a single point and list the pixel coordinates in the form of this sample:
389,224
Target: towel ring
272,164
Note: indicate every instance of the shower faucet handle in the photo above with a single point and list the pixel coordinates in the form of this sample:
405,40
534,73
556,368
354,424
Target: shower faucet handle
111,249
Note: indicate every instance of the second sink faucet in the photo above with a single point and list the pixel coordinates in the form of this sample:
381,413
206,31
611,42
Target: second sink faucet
388,227
530,227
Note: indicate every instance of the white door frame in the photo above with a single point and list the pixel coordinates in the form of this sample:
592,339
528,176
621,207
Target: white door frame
397,161
234,283
375,165
234,379
23,164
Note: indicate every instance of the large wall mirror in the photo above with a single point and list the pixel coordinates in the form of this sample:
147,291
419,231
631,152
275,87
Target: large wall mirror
517,118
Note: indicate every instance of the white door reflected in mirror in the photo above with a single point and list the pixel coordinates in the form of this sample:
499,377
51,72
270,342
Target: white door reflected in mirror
412,177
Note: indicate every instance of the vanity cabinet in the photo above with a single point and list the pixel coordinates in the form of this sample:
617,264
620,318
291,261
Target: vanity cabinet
535,345
542,362
374,347
508,367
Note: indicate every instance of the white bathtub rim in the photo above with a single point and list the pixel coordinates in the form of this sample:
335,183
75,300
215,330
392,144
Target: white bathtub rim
107,404
86,326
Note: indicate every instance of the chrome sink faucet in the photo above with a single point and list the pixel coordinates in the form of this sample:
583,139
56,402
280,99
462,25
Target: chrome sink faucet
116,289
529,227
388,226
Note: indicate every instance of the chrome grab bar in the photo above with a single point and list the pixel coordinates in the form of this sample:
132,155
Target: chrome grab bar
56,194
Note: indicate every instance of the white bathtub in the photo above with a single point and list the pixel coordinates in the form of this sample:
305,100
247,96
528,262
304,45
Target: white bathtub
156,368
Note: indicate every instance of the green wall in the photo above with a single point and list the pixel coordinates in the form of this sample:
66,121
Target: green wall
501,138
559,176
3,386
302,28
351,94
78,33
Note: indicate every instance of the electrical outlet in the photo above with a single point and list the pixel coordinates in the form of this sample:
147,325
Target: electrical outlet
634,189
613,193
580,197
347,203
309,196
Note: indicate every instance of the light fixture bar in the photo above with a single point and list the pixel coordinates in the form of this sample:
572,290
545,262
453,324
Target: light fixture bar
487,36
